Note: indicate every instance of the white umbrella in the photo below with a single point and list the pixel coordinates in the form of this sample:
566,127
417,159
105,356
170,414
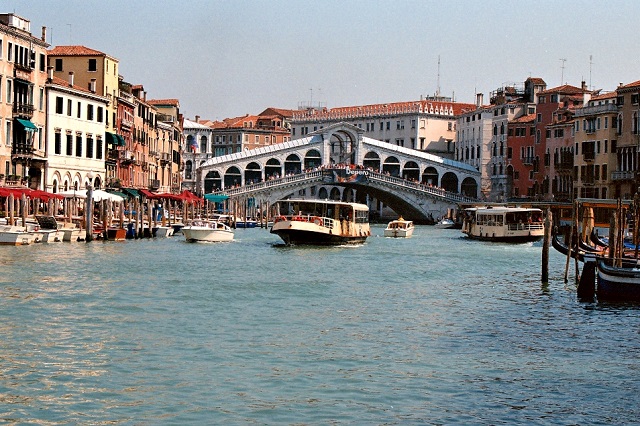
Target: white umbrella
98,195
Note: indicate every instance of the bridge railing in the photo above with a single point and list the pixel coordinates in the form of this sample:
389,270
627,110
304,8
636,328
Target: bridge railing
439,192
318,174
271,183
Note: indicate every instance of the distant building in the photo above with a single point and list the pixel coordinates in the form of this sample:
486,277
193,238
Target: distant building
205,139
595,148
23,75
427,125
627,174
166,151
554,119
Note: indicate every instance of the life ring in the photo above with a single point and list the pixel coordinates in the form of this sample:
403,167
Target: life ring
317,221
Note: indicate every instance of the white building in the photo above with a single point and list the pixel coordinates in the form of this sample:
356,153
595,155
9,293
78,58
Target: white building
427,125
75,136
198,148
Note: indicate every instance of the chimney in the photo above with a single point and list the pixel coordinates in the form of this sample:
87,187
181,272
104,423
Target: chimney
44,34
92,86
479,99
197,118
49,73
70,78
584,85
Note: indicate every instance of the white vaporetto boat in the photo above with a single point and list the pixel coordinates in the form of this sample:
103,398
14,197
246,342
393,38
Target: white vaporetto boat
399,228
15,236
508,224
321,222
210,232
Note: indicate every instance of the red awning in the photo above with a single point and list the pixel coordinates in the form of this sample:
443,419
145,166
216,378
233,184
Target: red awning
148,193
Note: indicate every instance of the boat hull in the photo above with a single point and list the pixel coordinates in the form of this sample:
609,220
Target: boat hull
163,231
398,233
307,237
16,238
507,238
618,284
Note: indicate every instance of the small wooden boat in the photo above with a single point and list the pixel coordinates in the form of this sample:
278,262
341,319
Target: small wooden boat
617,283
399,228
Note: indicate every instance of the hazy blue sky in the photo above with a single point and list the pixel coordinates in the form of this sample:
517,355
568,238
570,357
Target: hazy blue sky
229,58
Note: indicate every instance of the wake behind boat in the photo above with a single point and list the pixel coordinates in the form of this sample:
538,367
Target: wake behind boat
321,222
204,231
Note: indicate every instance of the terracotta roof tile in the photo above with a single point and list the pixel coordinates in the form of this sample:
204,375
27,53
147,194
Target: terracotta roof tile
74,51
524,119
65,83
173,102
565,89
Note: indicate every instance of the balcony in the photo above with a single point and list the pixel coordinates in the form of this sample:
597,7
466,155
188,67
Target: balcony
154,184
22,110
126,157
620,175
596,109
528,160
589,156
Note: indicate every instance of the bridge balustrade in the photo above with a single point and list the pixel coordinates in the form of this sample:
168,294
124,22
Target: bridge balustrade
374,176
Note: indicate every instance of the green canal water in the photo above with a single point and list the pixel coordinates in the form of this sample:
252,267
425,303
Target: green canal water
435,329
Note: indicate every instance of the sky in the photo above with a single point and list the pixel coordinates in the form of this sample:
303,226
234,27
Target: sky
226,59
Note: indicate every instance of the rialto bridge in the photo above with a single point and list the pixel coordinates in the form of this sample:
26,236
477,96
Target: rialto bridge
339,163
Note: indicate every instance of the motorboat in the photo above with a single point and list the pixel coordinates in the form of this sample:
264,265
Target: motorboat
207,231
446,223
11,235
399,228
246,223
163,231
321,222
506,224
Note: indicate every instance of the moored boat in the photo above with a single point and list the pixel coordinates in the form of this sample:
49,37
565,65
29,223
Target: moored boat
321,222
15,236
506,224
211,232
399,228
617,283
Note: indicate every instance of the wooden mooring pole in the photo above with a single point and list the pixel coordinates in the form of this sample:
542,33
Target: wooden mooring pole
548,223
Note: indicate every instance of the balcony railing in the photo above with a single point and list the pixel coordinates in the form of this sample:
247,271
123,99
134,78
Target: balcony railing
596,109
589,156
23,110
154,184
623,175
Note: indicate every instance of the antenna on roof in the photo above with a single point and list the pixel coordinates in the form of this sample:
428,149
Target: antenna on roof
590,64
438,89
562,78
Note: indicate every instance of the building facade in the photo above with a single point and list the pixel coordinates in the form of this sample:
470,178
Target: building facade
627,145
427,125
75,137
23,76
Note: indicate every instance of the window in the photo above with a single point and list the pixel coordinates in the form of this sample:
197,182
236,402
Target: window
100,114
69,151
41,100
58,143
99,148
58,64
78,145
89,149
59,105
10,52
79,109
93,65
9,91
388,125
539,118
8,134
69,103
89,112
